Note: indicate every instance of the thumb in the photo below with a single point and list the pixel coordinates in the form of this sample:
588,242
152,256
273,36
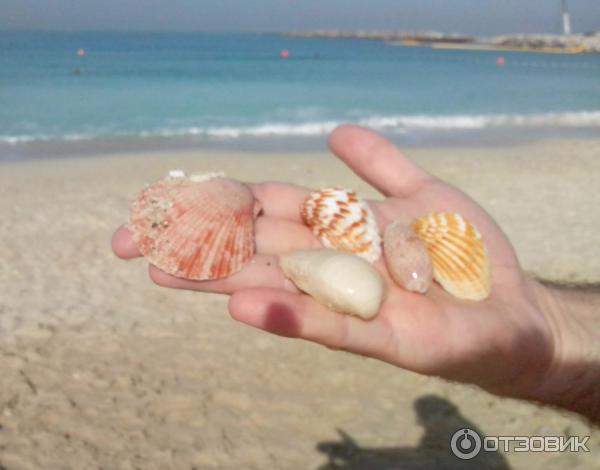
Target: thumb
377,161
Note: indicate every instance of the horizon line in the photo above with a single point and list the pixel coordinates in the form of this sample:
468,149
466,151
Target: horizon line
265,32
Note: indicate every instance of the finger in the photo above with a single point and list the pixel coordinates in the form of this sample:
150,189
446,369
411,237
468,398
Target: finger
262,271
275,236
280,199
299,316
376,160
122,244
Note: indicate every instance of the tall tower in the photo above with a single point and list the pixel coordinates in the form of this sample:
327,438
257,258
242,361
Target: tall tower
566,19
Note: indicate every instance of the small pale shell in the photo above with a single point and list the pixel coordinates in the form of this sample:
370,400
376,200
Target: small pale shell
195,230
340,281
406,258
342,221
176,174
458,253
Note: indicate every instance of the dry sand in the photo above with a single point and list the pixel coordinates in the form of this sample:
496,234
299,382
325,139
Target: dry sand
100,369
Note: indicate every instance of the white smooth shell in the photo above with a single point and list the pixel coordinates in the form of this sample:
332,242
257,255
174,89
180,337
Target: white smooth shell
340,281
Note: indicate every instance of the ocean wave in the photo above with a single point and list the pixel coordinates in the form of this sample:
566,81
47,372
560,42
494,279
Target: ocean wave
26,138
567,119
393,124
306,129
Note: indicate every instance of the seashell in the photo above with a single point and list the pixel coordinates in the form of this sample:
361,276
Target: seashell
458,253
195,230
342,221
176,174
407,258
340,281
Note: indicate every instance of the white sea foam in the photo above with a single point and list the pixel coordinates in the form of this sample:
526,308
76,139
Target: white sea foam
25,138
400,123
393,123
568,119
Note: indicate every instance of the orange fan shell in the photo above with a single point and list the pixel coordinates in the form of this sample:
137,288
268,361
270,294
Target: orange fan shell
458,253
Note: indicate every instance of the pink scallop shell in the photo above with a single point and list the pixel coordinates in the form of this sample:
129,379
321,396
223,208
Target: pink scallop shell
342,221
195,229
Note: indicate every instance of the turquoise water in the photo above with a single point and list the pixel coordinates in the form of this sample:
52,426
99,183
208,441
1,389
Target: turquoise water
224,87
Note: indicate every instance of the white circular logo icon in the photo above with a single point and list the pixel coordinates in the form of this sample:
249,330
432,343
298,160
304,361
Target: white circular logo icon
465,443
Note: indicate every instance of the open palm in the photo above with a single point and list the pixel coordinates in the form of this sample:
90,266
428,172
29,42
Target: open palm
501,343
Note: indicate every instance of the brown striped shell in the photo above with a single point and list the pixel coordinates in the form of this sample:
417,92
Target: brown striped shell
195,228
458,253
342,221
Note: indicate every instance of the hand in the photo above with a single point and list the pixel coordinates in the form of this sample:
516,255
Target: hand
506,344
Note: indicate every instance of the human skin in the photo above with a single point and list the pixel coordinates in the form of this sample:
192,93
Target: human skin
525,341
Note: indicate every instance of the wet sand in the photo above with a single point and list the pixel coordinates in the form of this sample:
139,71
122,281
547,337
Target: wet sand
99,368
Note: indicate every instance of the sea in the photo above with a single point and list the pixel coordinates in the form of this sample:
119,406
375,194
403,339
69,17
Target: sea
100,91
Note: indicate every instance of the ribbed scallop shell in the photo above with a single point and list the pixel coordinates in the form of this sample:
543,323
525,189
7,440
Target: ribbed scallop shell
195,229
342,221
458,253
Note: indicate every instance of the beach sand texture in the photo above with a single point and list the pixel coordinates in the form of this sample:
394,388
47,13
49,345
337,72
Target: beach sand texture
99,368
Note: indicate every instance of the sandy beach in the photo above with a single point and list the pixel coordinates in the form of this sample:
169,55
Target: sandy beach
101,369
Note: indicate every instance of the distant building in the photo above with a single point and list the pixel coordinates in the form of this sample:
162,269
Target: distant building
566,19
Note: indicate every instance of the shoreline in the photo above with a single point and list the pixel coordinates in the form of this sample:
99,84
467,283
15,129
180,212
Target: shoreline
587,43
417,139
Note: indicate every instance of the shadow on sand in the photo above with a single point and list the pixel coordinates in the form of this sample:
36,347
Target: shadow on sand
440,418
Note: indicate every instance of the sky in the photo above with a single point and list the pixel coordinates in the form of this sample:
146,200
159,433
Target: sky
479,17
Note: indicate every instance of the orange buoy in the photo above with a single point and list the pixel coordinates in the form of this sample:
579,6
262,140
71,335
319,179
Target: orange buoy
500,62
284,54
